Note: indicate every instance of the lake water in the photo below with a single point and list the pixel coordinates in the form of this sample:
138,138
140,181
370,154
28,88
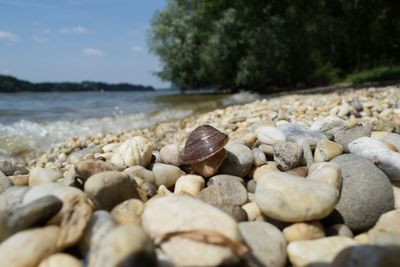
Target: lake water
32,123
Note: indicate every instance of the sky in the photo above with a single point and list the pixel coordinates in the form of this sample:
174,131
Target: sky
78,40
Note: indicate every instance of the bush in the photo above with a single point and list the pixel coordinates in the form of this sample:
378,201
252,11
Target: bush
379,74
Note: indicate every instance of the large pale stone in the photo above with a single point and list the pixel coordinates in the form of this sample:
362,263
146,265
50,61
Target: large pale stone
387,230
60,260
326,172
291,198
269,135
324,250
304,231
238,161
181,213
166,174
135,151
189,184
40,175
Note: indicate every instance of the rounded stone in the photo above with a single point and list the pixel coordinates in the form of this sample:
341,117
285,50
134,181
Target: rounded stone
20,180
40,175
229,193
87,168
5,183
323,250
326,172
189,184
55,189
166,174
12,198
266,242
223,178
291,198
110,188
287,155
41,242
238,161
368,256
135,151
60,260
251,186
346,136
263,170
252,210
244,136
141,172
340,230
365,195
396,193
386,232
181,213
304,231
128,211
170,154
269,135
259,157
327,150
11,169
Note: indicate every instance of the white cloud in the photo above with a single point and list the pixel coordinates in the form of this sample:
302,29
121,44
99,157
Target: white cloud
74,30
92,52
137,48
40,39
8,36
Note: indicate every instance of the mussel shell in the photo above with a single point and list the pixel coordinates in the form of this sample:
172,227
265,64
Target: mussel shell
204,142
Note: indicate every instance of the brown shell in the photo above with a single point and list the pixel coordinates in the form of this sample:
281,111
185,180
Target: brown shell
204,142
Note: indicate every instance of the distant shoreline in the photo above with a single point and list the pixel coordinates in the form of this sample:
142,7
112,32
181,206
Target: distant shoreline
9,84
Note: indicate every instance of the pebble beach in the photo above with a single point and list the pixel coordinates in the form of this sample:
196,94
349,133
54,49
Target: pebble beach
299,179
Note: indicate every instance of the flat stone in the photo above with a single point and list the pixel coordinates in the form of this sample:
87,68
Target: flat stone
227,193
287,155
266,242
87,168
40,175
128,212
345,137
304,231
41,241
291,198
110,188
368,256
126,245
166,174
189,184
323,250
365,195
238,161
181,213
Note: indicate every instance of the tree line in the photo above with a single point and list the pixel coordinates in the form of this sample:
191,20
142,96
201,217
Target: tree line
262,44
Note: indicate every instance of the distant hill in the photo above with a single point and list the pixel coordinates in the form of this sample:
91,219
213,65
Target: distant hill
11,84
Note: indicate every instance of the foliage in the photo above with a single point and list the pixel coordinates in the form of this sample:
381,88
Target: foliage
379,74
11,84
257,44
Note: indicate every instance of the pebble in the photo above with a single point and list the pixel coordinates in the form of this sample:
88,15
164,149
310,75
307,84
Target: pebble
10,169
5,183
60,260
128,211
32,214
238,161
386,231
291,198
326,172
125,245
243,136
340,230
234,211
299,133
329,125
87,168
259,157
110,188
20,180
368,256
266,242
365,195
166,175
229,193
392,139
263,170
220,179
148,189
299,171
345,137
181,213
323,250
304,231
41,242
378,152
54,189
189,184
396,194
40,175
327,150
100,224
287,155
135,151
12,197
252,210
251,186
170,154
357,105
269,135
141,172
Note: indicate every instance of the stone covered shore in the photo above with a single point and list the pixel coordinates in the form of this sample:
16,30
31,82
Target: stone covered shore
305,180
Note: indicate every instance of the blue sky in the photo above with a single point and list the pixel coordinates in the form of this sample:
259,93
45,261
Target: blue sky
76,40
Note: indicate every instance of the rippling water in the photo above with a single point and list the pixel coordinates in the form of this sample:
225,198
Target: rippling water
31,123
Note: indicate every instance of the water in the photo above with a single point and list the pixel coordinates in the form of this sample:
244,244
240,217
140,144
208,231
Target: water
32,123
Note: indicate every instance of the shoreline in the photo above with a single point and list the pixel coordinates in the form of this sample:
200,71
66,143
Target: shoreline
302,106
